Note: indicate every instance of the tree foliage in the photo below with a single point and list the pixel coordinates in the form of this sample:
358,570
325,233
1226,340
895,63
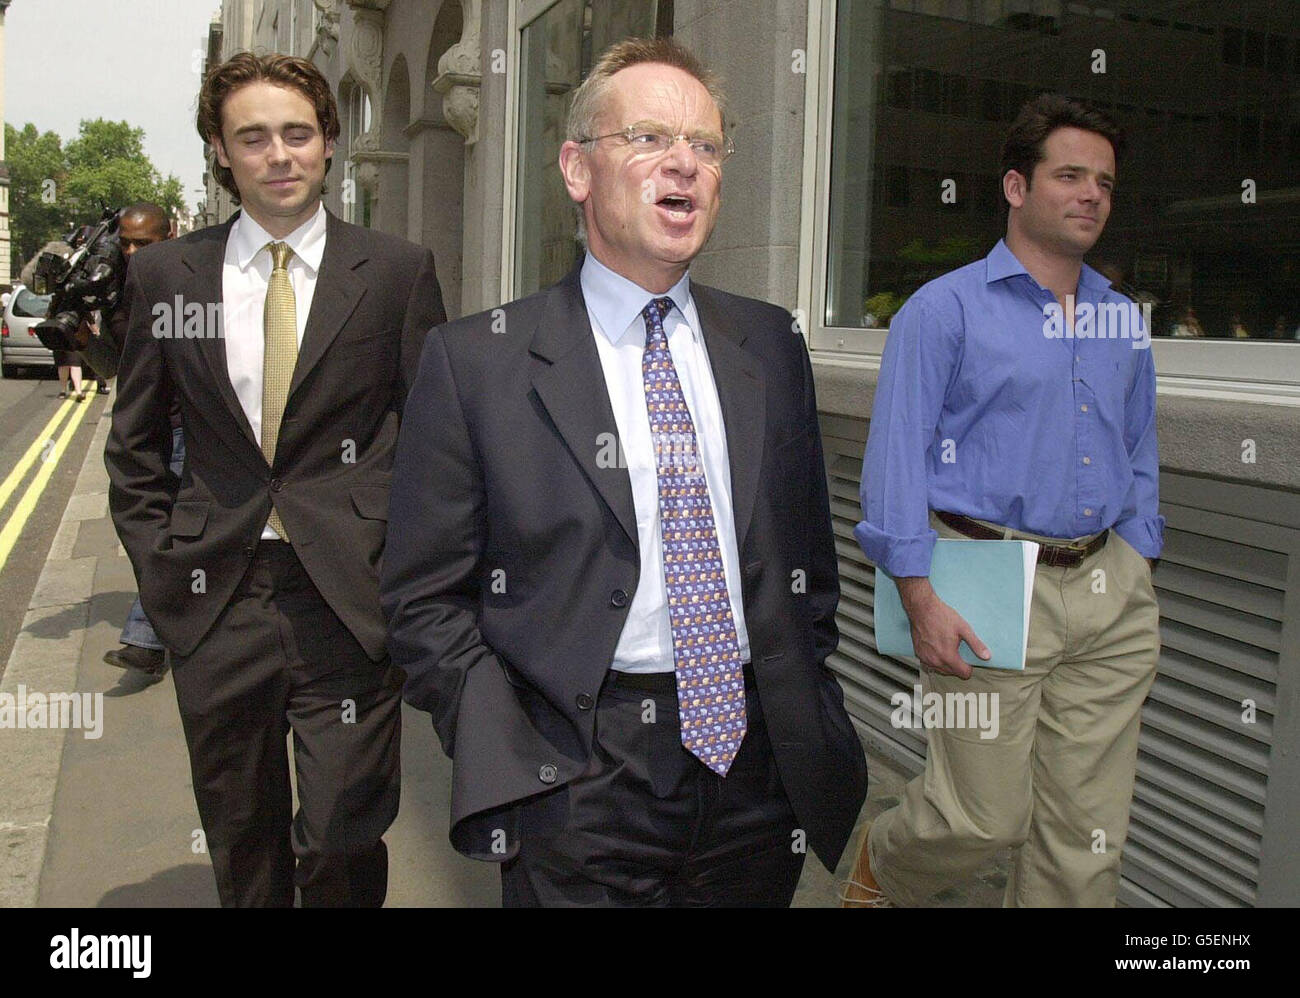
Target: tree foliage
54,188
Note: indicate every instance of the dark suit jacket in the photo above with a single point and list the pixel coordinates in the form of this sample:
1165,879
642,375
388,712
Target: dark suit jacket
376,298
512,555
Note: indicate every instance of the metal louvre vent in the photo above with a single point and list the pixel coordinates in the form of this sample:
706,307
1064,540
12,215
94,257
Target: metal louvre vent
1198,814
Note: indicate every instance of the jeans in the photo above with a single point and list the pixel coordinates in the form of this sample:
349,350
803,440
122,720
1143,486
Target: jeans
137,630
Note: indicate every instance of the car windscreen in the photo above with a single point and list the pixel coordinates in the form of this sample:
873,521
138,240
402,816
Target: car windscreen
31,306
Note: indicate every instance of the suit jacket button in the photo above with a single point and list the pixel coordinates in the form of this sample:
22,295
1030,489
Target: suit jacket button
276,485
548,773
585,701
619,598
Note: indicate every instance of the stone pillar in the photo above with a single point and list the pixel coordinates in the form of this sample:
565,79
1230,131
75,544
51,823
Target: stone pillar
485,161
755,248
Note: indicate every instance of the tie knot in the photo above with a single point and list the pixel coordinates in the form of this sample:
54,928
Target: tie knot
659,307
280,253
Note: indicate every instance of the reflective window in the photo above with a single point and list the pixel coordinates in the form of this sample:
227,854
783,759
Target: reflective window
1205,222
557,50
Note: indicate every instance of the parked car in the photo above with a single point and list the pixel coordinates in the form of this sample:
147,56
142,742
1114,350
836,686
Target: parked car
19,346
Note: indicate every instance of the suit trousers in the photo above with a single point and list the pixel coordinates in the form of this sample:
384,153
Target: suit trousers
278,660
1057,780
648,824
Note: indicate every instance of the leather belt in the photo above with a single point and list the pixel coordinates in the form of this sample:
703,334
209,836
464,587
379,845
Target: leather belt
1055,555
663,683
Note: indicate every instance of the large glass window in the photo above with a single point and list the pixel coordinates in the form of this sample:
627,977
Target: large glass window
557,50
1205,222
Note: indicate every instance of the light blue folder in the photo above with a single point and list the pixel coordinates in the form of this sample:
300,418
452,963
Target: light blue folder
990,583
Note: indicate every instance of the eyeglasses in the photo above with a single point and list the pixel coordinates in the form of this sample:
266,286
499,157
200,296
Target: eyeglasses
647,140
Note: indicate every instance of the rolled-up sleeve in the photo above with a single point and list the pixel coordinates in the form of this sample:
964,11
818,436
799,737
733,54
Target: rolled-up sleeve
920,356
1140,523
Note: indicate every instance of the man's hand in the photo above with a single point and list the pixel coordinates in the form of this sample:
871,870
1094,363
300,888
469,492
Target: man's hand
937,629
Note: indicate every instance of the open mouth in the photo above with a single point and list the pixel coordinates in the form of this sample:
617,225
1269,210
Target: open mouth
677,205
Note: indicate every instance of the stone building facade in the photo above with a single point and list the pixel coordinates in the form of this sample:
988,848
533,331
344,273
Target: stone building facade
867,135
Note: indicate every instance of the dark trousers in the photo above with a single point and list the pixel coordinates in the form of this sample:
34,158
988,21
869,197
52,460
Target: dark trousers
278,660
648,824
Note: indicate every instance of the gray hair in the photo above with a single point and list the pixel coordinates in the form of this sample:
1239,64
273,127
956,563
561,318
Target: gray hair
592,94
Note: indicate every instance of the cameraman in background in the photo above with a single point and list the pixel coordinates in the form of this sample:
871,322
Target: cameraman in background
140,225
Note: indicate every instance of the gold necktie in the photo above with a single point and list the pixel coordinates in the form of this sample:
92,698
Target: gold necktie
280,325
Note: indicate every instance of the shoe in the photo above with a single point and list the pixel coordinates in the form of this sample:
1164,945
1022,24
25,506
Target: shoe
103,388
80,396
147,660
63,395
861,889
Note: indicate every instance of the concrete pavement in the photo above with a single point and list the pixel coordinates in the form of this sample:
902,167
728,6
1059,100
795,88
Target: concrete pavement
111,821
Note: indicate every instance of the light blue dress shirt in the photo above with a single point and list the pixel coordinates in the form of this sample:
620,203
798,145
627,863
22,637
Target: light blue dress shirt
985,408
614,306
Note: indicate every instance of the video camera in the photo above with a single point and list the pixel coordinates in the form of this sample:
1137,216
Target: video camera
88,279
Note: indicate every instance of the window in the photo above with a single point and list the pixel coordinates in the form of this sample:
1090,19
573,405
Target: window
556,51
356,198
1205,221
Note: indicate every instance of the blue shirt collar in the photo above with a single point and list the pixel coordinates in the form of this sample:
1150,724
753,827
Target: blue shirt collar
1001,263
615,301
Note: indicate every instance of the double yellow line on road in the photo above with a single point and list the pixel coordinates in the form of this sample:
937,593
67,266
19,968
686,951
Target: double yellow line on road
48,450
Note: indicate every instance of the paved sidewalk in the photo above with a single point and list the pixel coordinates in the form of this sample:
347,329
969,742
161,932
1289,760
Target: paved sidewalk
111,821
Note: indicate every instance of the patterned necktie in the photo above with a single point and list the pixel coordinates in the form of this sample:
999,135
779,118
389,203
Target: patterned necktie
706,651
280,325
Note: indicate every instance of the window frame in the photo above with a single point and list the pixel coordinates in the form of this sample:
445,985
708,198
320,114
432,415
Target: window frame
1222,369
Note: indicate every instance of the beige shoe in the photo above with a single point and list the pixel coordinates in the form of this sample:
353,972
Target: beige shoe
861,889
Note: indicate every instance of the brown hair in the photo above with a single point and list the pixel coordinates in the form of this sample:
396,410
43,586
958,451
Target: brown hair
244,68
1023,149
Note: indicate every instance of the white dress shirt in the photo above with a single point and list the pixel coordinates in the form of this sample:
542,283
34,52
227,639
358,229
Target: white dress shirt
614,306
244,278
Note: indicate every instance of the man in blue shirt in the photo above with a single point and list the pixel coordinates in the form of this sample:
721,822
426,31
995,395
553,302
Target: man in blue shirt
1017,399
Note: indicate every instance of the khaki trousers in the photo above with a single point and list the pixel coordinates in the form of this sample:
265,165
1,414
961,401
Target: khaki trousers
1057,780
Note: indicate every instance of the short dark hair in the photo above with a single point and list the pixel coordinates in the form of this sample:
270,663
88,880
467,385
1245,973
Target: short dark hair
155,213
244,68
1039,118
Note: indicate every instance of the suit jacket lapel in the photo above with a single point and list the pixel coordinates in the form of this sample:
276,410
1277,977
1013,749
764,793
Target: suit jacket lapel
742,395
338,290
572,388
205,260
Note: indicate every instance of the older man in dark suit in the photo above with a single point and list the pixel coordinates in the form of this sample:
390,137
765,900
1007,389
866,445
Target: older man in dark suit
610,572
285,336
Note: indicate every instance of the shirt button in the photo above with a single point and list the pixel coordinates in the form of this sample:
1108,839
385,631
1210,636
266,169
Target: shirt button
584,701
1087,460
618,598
1083,408
548,773
1087,512
1076,358
276,485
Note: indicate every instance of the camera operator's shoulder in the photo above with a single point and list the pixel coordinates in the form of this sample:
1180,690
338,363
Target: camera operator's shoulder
159,257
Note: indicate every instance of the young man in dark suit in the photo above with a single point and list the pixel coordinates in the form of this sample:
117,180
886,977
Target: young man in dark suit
611,577
285,336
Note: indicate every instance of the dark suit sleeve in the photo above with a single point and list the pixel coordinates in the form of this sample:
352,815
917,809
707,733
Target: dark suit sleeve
437,529
823,575
141,489
424,311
